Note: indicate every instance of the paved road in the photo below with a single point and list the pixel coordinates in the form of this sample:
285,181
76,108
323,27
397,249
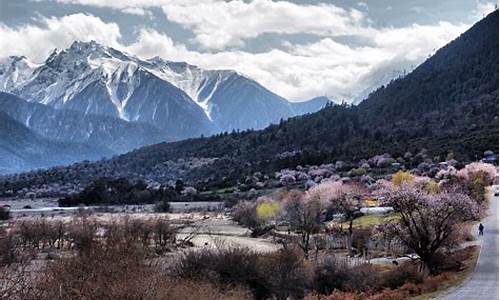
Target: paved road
483,283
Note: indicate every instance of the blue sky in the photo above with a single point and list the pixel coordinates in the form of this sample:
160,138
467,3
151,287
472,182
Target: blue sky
298,49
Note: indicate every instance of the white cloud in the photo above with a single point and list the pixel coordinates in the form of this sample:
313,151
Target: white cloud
483,8
417,41
36,41
117,4
363,5
418,9
325,67
137,11
298,71
219,24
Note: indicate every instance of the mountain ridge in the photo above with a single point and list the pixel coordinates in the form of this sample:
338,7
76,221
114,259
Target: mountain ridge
447,106
96,79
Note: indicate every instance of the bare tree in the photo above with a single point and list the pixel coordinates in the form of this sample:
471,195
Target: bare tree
340,198
305,217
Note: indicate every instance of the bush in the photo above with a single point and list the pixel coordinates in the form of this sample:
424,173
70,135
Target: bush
4,213
123,277
397,277
362,278
360,238
388,294
280,275
82,234
165,235
433,283
401,177
333,274
162,207
359,171
245,213
9,251
285,273
453,261
329,275
228,266
337,295
411,288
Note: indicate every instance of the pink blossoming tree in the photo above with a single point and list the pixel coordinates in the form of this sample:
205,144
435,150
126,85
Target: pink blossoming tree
427,220
340,198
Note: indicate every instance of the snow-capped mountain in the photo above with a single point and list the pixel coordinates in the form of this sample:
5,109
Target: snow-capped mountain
181,99
229,99
94,79
99,96
15,70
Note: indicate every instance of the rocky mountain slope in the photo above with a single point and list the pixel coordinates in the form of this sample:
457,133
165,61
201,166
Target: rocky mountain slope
117,135
21,149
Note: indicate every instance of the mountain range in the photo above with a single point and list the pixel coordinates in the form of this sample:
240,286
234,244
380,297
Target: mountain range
447,106
100,96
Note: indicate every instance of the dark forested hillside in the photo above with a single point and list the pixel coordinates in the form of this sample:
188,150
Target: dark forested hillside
448,104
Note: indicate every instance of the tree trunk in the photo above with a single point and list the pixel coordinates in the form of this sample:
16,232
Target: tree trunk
349,239
305,239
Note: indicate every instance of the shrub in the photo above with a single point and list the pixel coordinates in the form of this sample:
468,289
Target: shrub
285,273
433,283
82,234
337,295
9,252
39,233
401,177
16,282
329,275
388,294
245,213
4,213
360,238
411,288
280,275
397,277
445,262
162,207
361,278
227,266
165,235
359,171
123,277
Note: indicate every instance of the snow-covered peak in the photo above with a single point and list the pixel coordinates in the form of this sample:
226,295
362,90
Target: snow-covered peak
83,57
88,49
97,79
198,83
15,70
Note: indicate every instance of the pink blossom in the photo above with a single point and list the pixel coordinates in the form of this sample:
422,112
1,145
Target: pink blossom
472,170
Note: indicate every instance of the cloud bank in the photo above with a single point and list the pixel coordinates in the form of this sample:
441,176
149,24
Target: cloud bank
325,66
